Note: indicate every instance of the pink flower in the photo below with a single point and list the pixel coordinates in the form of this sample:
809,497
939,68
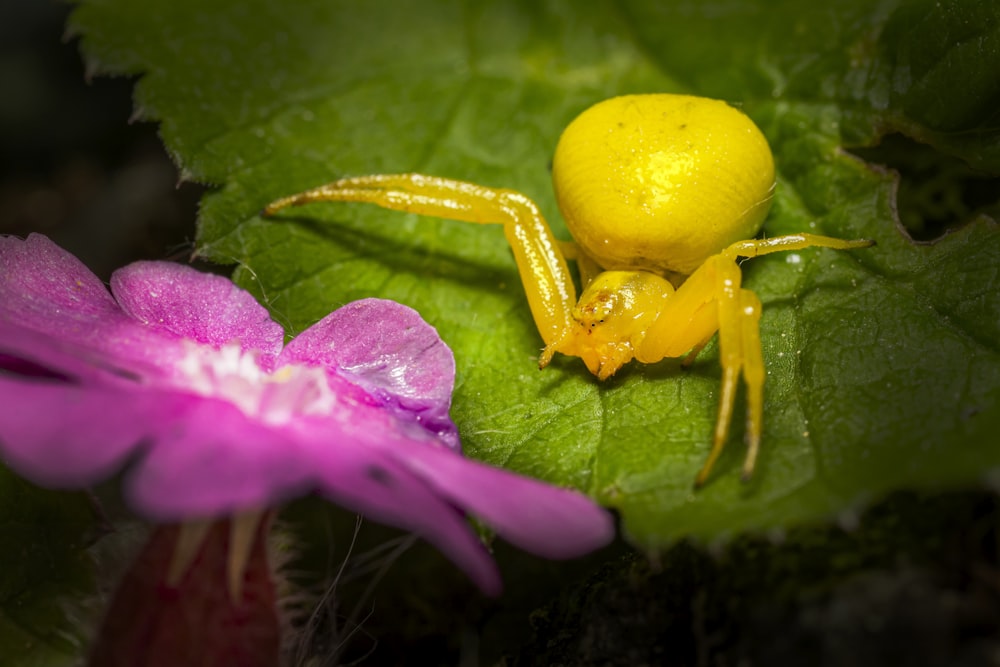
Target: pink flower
183,379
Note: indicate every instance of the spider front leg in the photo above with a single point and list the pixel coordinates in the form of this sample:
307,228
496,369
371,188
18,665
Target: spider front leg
758,247
542,267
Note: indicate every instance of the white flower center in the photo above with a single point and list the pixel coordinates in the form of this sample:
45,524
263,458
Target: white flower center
233,374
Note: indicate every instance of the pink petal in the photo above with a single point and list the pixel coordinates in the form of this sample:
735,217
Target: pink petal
390,351
43,287
217,461
214,461
70,413
537,517
47,290
358,477
26,353
71,436
199,306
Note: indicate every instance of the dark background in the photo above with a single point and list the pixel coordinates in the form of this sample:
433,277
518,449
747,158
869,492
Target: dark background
72,166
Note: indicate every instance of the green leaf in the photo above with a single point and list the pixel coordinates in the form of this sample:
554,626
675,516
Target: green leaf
883,364
44,573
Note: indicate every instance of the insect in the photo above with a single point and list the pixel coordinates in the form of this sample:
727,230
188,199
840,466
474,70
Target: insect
662,194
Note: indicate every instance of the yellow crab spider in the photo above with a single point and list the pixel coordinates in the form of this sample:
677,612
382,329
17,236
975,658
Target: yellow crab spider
660,193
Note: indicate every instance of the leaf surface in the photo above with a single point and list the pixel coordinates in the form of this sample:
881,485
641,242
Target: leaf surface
883,364
44,573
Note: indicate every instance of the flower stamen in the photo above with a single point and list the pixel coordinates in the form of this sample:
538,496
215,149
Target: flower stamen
242,532
275,397
190,538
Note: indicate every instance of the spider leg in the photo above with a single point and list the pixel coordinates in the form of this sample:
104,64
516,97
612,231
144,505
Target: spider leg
739,334
737,320
544,273
744,323
690,357
757,247
753,375
712,300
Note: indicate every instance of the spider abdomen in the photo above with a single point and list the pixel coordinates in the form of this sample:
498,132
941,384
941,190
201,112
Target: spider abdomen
661,182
